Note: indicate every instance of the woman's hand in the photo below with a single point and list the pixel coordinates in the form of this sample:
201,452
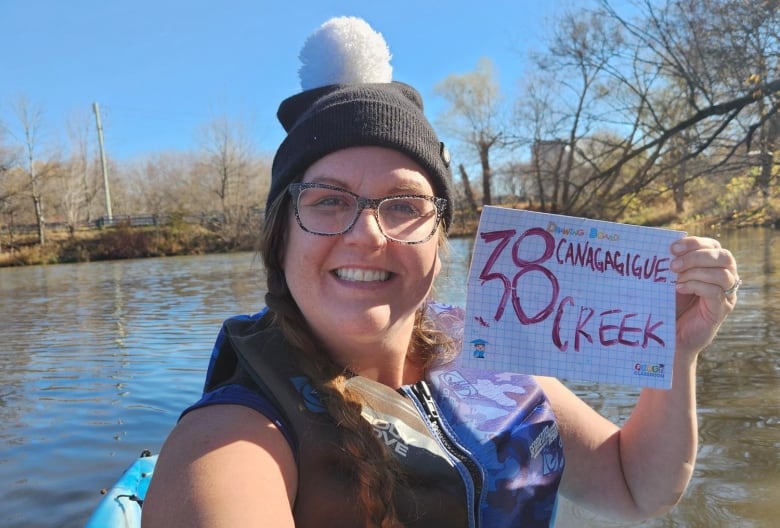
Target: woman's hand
642,469
707,283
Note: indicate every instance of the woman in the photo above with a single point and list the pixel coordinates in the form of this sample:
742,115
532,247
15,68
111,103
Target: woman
327,408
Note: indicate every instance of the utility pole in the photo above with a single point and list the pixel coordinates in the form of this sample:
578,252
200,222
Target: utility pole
103,161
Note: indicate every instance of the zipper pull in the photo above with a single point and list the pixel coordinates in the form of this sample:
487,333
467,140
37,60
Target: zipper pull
426,398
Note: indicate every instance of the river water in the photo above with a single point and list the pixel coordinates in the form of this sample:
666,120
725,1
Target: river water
98,359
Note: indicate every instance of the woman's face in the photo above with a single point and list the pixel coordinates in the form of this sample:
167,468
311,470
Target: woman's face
360,286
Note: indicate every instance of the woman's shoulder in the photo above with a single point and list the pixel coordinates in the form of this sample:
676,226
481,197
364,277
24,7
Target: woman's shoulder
209,452
218,426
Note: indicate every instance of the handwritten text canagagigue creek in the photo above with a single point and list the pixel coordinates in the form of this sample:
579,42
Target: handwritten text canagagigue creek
610,326
583,254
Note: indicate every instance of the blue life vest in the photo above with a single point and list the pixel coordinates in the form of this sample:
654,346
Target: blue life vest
476,448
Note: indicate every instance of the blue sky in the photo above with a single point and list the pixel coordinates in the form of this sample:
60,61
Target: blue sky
162,69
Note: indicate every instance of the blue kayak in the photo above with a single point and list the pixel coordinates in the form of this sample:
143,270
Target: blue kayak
121,505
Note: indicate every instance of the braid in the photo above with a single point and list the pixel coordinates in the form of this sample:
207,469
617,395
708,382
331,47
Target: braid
375,467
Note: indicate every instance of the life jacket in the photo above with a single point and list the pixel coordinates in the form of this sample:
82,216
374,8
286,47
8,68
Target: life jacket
475,449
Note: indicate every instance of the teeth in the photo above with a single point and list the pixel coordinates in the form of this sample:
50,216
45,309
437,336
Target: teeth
361,275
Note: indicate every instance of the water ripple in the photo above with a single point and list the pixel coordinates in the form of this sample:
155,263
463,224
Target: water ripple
99,359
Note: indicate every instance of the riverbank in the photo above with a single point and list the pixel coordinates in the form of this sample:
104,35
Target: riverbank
126,242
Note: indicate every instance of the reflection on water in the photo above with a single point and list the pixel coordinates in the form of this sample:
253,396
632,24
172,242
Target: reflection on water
737,476
98,359
96,362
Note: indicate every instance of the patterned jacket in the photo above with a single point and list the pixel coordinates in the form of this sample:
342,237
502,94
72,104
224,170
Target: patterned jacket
476,449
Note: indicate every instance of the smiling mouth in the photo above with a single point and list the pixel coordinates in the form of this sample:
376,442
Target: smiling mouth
361,275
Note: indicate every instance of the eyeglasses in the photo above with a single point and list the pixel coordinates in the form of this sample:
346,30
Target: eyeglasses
327,210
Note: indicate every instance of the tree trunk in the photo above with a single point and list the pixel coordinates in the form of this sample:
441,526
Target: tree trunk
39,219
36,197
464,180
678,187
484,159
765,176
679,197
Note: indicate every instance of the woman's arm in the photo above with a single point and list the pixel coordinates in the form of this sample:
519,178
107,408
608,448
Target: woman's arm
643,468
222,465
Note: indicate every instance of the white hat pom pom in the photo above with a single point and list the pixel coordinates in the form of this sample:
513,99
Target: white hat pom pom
344,50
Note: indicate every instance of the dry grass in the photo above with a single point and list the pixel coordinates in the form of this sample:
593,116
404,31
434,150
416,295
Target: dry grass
112,244
187,239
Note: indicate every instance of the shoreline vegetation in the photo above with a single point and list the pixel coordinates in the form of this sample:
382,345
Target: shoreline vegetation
177,239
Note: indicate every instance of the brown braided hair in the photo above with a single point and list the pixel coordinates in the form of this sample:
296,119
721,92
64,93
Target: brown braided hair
376,469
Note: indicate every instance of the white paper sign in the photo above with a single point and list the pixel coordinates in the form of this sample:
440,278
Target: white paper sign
572,298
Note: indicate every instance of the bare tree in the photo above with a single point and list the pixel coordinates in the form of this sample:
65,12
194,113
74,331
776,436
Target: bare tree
751,42
723,57
568,127
231,170
642,97
7,155
475,116
6,190
72,183
161,181
468,194
536,126
69,205
82,169
29,118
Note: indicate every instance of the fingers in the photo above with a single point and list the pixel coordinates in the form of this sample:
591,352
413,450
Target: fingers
733,289
691,243
705,268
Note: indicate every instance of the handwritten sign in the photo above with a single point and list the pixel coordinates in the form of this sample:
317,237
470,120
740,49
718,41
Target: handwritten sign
572,298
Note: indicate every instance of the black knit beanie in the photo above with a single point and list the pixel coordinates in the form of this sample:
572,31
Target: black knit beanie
355,111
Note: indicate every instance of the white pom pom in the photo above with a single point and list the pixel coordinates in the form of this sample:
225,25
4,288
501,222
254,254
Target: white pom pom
344,50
